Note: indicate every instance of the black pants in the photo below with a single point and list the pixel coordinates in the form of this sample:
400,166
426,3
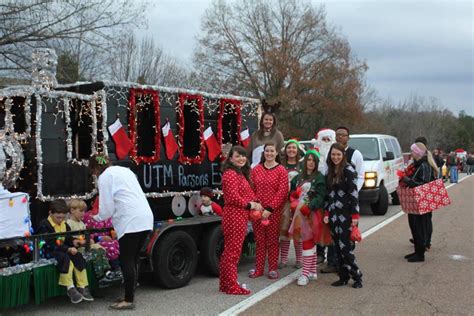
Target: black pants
425,224
331,255
421,228
130,245
346,262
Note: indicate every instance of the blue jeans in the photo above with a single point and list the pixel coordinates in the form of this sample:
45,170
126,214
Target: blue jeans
453,174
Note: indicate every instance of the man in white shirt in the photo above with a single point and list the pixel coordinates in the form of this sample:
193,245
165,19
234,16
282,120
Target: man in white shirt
122,199
353,155
355,158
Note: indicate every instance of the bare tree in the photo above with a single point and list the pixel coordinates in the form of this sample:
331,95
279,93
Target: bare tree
90,24
282,50
145,62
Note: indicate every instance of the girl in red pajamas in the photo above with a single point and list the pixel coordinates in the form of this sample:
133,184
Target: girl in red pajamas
270,181
239,198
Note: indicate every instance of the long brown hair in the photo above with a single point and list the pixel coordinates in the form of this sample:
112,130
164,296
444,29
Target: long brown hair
260,125
335,173
303,175
277,158
245,170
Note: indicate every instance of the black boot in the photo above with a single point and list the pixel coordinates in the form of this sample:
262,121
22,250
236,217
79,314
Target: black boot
410,255
419,255
357,284
340,282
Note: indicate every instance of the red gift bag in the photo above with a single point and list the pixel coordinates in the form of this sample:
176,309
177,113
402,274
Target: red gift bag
424,198
356,236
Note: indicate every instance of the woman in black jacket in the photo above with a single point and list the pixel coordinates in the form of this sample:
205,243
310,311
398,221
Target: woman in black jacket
423,170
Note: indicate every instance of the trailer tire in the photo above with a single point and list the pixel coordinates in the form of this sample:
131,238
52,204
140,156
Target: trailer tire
174,260
212,246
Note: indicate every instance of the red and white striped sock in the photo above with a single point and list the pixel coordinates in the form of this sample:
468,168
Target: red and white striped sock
306,265
284,248
313,264
298,250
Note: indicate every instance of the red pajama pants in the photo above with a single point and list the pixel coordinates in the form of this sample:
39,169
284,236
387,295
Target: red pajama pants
267,243
234,228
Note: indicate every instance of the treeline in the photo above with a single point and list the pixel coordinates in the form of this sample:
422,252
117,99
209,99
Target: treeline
420,116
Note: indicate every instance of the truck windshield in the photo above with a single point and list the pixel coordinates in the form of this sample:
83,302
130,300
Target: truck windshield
369,147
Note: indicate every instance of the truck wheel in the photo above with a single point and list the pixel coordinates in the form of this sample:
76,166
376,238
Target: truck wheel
395,199
212,246
174,260
381,206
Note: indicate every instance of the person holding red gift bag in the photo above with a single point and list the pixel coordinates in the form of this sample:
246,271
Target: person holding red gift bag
270,182
422,170
342,213
239,198
309,190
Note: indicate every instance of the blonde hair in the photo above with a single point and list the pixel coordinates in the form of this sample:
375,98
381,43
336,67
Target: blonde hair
76,203
429,157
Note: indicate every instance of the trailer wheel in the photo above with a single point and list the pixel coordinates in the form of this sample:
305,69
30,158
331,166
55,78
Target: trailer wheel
174,260
212,246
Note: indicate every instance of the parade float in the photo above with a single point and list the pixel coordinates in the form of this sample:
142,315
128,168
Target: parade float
171,138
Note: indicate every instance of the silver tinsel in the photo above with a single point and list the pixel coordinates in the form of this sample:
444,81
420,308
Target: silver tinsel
43,72
11,160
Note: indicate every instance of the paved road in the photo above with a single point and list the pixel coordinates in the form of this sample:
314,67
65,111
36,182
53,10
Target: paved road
201,296
443,284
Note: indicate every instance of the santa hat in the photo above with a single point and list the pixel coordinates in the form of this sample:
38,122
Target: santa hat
206,192
323,132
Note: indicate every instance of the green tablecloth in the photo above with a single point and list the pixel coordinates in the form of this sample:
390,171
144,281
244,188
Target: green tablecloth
15,289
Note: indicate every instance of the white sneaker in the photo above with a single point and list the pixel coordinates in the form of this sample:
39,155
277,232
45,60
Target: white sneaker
313,276
303,280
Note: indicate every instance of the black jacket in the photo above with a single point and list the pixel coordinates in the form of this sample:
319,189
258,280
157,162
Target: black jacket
58,251
439,161
423,173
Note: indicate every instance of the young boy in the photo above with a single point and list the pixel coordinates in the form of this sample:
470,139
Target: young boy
69,261
97,253
208,207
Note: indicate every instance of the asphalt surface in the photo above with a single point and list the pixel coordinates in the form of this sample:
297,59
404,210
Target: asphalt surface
391,285
442,285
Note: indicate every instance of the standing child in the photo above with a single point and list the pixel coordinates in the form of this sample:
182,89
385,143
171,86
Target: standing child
69,261
97,253
270,182
291,161
309,187
239,199
343,213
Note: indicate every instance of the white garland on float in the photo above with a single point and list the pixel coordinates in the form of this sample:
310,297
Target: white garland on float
155,195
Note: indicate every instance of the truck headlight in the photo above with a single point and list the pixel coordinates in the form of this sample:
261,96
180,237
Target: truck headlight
370,179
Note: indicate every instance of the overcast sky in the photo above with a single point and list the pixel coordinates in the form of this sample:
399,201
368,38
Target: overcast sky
411,47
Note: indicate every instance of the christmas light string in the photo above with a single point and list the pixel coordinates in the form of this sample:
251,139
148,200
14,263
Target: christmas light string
195,102
149,97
